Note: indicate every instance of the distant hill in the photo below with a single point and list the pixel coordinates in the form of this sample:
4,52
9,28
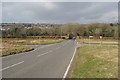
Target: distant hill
29,25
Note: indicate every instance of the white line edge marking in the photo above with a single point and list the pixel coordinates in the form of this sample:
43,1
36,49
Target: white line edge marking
66,72
12,66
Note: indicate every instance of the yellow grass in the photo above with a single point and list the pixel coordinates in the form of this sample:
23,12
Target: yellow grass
16,45
32,41
97,41
9,49
96,61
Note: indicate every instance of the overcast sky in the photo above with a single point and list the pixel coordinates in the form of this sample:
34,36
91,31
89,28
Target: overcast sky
59,12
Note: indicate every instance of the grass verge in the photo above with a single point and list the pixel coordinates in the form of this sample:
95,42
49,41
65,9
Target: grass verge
102,41
31,41
11,46
45,42
96,62
9,49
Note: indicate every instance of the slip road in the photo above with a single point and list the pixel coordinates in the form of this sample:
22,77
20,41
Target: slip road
44,62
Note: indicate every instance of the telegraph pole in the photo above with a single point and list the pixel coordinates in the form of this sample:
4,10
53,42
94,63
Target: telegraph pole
61,32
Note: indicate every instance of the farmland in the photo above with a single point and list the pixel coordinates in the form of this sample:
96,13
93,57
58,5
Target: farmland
91,61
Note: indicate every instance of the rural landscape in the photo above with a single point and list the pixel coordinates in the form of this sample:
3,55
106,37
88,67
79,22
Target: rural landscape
59,50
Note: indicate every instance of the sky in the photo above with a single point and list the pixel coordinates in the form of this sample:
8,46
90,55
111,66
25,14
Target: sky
60,0
59,12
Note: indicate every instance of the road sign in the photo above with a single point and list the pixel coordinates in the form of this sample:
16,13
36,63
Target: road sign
100,37
90,36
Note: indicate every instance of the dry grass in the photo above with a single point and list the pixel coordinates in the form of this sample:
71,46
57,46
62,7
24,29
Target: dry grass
9,49
98,41
11,46
31,41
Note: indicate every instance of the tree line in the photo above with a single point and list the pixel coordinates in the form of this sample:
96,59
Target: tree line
83,30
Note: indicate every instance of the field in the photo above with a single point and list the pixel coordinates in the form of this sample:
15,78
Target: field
17,45
9,49
100,41
31,41
96,61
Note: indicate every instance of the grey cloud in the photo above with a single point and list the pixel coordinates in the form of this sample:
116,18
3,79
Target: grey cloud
60,0
59,12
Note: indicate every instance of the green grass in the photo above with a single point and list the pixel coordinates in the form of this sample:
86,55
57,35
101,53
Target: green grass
95,62
97,41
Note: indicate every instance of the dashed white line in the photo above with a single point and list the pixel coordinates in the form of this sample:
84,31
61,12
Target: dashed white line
65,44
30,51
12,66
44,46
62,45
44,53
51,50
58,47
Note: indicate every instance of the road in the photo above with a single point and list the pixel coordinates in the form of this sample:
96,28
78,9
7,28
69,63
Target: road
44,62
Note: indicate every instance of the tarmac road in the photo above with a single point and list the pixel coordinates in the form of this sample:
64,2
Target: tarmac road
50,61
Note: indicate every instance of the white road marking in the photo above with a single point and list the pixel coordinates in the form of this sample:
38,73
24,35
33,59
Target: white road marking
12,66
66,72
30,51
51,50
44,53
45,46
58,47
65,43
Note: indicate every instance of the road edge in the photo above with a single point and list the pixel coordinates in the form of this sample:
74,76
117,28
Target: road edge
68,68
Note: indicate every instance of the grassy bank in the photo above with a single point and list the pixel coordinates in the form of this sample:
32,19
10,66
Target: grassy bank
9,49
11,46
31,41
95,62
104,41
40,42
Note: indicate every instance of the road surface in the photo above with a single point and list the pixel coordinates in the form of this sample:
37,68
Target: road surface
44,62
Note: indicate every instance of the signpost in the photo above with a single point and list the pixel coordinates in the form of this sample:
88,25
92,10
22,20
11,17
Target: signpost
89,39
101,39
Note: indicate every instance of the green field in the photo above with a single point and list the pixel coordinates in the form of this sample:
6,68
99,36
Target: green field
96,61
